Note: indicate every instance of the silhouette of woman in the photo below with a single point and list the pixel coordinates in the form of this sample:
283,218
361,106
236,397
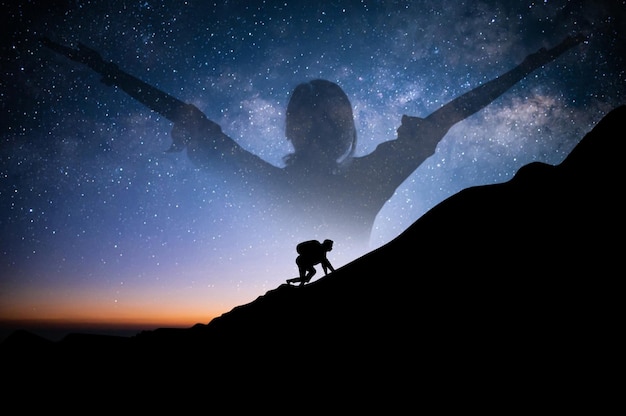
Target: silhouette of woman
323,186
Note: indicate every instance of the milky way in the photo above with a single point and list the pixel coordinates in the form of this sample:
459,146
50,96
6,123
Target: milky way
99,223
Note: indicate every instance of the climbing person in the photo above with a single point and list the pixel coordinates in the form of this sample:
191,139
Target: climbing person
311,253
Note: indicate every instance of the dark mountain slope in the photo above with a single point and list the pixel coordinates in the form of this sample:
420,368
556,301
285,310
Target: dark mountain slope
501,292
546,234
505,281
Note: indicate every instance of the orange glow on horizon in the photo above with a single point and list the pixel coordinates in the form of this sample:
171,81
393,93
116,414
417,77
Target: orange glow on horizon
146,319
132,307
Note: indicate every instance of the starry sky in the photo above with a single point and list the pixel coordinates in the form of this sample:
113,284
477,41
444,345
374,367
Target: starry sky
100,225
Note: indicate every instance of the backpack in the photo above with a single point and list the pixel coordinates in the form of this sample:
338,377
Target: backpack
308,247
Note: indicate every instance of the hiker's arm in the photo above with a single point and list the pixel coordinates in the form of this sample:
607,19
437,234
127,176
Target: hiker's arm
326,265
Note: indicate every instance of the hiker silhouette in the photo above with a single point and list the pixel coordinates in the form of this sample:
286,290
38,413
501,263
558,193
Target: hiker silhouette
323,186
310,253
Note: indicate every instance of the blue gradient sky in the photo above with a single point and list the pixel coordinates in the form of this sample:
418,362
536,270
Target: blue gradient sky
99,225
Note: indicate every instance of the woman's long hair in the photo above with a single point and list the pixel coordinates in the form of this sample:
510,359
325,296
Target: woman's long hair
320,123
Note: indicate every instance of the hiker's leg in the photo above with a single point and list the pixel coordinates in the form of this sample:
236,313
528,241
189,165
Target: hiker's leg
301,266
310,274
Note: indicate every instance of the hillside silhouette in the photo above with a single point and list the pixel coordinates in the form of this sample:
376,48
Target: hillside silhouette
504,293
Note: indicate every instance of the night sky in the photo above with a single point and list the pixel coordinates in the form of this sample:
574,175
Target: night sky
99,224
